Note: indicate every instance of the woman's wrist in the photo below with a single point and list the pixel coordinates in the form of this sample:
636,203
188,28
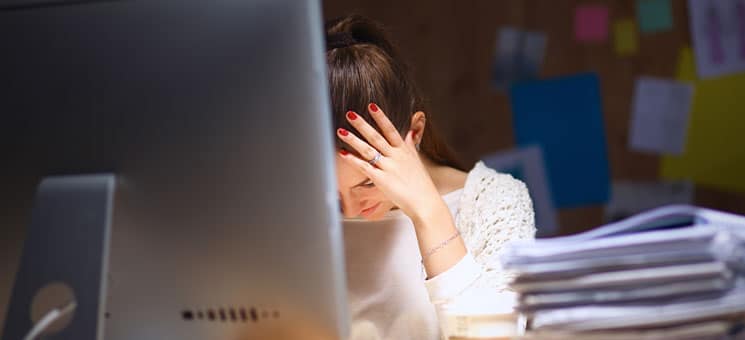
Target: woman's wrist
439,241
431,214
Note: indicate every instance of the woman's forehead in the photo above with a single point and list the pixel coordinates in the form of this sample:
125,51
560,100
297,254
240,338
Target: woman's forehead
347,174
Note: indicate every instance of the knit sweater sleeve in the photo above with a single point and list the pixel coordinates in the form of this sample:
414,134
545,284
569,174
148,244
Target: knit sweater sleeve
494,208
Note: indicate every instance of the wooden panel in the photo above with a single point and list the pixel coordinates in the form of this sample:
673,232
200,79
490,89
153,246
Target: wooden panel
450,45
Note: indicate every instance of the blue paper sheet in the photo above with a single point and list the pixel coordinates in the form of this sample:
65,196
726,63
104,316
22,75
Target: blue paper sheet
564,116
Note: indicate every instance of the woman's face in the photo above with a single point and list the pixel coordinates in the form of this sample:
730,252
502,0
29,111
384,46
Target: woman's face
359,196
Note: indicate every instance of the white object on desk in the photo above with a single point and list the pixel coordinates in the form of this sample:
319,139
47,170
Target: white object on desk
482,313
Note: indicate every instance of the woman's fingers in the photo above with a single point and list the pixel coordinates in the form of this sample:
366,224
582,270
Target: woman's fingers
385,125
369,133
409,140
369,169
365,150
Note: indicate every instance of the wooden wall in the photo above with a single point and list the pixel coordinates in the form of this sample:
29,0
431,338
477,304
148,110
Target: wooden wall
450,44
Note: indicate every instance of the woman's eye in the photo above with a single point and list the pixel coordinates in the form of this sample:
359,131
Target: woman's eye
369,184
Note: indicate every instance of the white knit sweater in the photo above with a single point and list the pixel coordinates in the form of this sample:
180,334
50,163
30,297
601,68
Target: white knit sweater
389,298
494,208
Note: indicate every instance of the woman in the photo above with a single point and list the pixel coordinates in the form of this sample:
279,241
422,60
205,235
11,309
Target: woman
419,230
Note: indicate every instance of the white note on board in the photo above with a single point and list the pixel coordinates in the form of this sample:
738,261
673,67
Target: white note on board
718,34
659,116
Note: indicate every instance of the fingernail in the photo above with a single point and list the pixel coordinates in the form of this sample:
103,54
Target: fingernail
351,115
373,107
343,132
343,152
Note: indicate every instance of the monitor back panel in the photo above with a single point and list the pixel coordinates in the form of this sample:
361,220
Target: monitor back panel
214,117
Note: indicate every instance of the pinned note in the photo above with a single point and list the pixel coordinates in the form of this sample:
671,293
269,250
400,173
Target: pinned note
532,53
625,38
654,15
659,117
718,34
714,150
564,116
519,56
591,23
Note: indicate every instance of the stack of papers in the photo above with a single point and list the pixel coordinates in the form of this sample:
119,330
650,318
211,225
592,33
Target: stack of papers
673,272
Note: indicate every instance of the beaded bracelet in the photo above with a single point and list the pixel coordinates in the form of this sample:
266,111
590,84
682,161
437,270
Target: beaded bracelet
440,246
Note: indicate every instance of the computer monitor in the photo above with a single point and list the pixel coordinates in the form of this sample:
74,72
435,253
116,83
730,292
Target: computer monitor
213,116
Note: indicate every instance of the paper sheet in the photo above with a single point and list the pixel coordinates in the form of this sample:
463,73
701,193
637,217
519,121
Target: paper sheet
564,116
585,318
632,197
718,35
532,52
519,56
591,23
659,117
654,15
714,154
526,164
625,38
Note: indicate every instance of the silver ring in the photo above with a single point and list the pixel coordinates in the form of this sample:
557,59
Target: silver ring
375,159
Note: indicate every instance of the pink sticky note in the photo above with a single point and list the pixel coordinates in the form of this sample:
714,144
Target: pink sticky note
591,23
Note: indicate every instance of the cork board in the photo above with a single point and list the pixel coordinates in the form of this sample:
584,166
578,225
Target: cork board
450,45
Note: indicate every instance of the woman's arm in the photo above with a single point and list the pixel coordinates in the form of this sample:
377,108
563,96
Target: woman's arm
494,209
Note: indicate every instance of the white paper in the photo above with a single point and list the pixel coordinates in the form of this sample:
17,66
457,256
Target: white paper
700,330
519,56
529,162
573,267
507,54
718,34
629,278
532,52
632,197
587,318
657,292
659,117
637,230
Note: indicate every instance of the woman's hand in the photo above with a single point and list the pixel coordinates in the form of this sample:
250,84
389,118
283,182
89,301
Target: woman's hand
398,172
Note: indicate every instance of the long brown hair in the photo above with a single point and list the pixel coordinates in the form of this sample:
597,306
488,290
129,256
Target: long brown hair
364,67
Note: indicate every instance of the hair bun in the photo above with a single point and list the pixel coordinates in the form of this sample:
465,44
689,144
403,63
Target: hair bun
355,29
339,40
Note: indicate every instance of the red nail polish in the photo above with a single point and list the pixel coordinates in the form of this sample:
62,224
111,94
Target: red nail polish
351,115
343,152
343,132
373,107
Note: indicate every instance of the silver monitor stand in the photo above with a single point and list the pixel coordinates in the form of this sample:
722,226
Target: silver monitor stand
64,258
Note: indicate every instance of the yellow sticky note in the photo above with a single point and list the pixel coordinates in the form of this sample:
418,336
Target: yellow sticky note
715,148
686,70
625,37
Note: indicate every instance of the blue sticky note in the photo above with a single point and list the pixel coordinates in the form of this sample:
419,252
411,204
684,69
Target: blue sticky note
654,15
565,117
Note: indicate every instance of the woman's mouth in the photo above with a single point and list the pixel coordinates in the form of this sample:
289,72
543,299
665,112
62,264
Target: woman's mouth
368,211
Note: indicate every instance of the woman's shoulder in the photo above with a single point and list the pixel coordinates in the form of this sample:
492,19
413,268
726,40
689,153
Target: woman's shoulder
494,208
484,184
